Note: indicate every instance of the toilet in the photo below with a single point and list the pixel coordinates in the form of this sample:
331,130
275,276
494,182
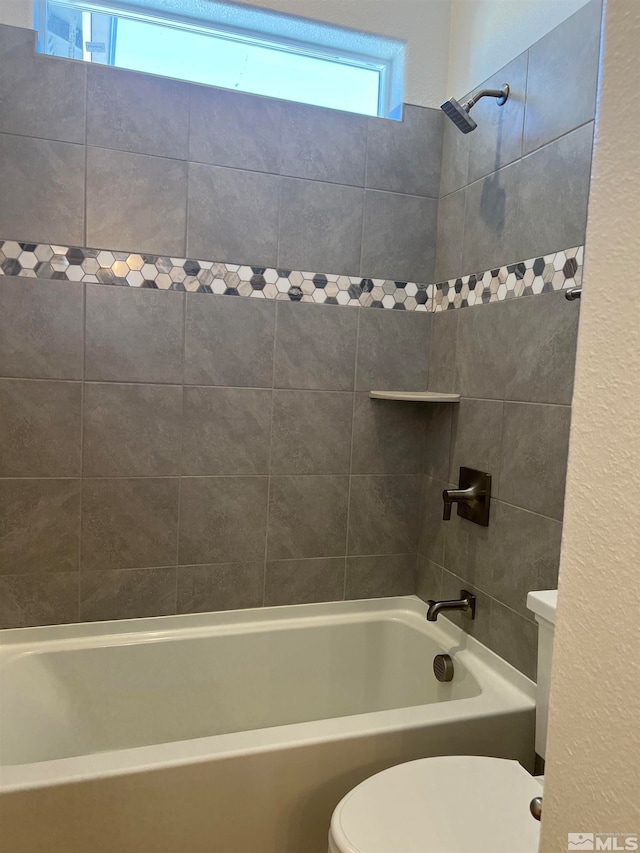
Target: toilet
457,803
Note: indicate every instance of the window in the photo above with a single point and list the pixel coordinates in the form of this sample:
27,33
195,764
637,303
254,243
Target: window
234,47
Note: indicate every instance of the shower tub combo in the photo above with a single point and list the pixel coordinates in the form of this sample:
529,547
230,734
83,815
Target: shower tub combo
234,732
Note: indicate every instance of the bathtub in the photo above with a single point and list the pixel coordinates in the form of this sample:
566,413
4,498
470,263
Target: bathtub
234,732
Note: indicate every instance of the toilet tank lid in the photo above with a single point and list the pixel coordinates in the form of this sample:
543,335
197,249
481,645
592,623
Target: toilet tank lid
543,603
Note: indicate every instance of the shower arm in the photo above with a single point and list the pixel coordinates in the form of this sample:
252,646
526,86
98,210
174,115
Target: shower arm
500,94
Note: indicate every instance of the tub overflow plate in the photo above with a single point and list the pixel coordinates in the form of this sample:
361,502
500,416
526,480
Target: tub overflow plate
443,667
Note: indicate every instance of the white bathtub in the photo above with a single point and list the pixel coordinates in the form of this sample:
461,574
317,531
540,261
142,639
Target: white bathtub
233,732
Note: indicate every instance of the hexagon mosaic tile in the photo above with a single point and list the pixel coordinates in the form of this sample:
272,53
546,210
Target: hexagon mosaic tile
100,266
558,271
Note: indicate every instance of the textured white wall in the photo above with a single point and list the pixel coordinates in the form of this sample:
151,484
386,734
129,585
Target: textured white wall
486,34
16,13
593,772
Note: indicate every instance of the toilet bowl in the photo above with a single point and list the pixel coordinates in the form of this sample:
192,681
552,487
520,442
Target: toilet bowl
456,803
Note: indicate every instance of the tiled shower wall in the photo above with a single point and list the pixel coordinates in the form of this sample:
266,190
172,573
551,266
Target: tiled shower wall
107,158
141,430
518,186
512,362
515,188
174,452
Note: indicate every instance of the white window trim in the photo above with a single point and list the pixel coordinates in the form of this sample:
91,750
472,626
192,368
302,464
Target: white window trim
390,68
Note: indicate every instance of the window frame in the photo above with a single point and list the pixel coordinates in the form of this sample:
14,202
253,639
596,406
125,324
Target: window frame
389,74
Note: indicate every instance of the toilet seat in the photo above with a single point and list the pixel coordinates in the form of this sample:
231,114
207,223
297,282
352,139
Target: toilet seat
452,804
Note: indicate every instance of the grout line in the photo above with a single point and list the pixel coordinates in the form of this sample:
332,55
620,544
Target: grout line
205,476
279,223
266,536
275,174
364,199
179,478
525,104
159,568
86,154
81,477
353,410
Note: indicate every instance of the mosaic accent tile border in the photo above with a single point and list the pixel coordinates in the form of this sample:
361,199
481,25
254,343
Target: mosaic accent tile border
558,271
99,266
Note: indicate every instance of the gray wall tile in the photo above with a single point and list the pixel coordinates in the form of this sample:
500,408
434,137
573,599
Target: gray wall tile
127,594
111,539
39,526
40,428
320,226
514,638
428,579
468,551
378,577
315,347
136,202
39,96
304,581
323,145
43,599
482,365
455,159
497,141
406,156
431,527
480,627
134,334
563,74
475,438
442,355
543,364
42,190
490,223
222,519
229,341
450,236
554,195
437,421
535,443
233,129
311,432
226,431
525,555
307,517
393,351
233,215
131,430
137,112
399,236
383,515
40,329
387,437
224,586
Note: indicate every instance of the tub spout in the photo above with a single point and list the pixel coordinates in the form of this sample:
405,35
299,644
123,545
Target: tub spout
466,602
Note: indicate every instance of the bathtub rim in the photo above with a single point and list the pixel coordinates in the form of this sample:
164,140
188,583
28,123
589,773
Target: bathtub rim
503,688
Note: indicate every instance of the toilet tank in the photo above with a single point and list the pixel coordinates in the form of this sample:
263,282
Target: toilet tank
543,604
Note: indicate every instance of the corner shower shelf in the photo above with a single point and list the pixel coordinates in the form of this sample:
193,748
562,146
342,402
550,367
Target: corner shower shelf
416,396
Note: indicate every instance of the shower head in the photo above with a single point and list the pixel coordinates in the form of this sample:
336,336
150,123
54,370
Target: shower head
459,113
